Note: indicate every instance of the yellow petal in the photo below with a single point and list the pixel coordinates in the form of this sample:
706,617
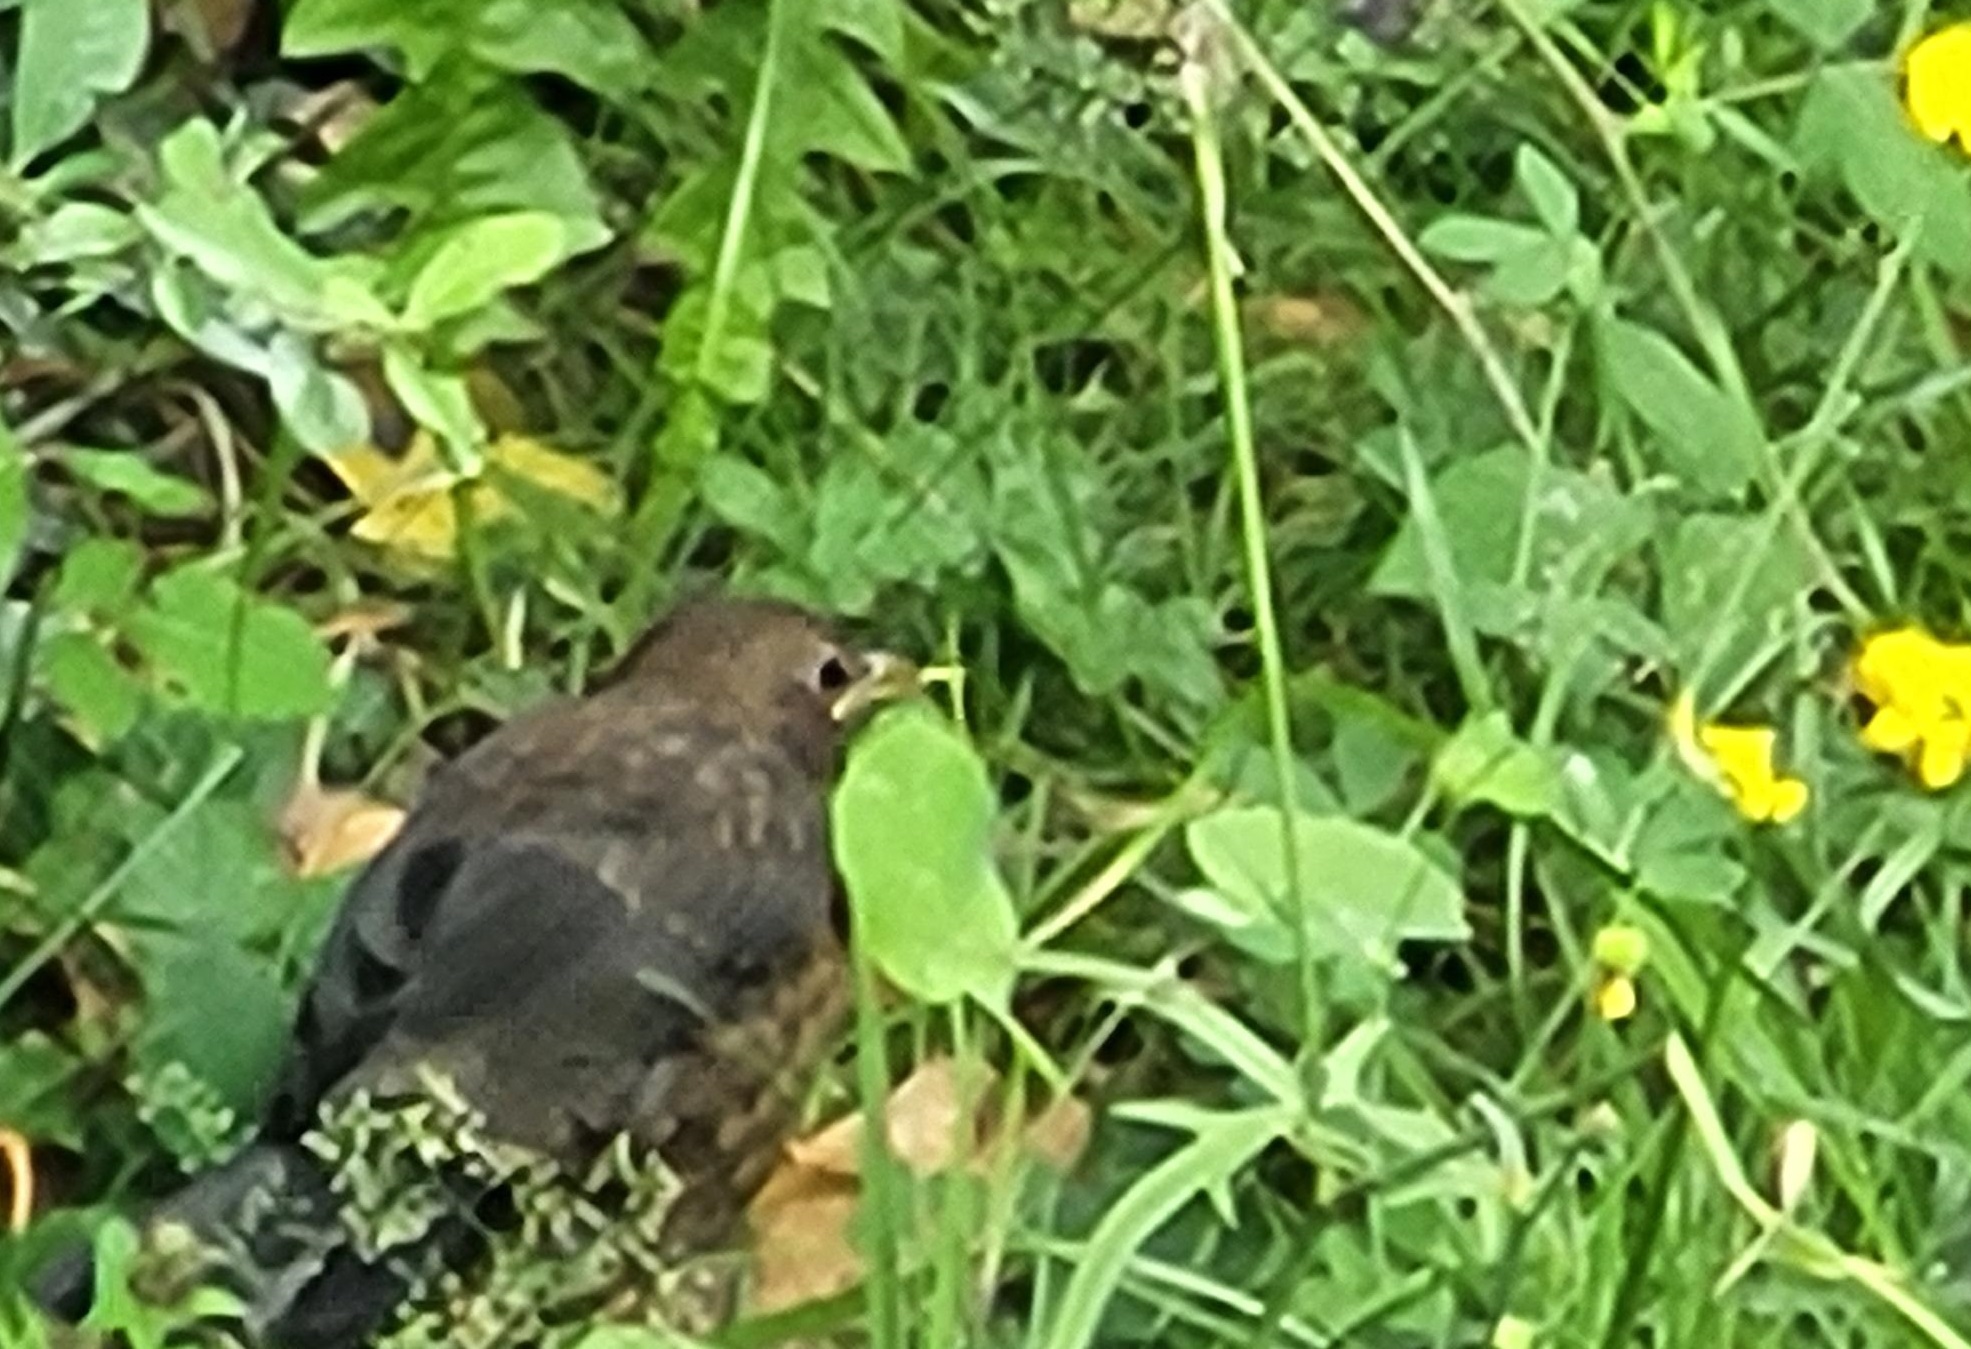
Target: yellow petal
1891,730
1938,86
1786,800
549,468
1744,754
422,522
368,473
1906,666
1615,998
1940,761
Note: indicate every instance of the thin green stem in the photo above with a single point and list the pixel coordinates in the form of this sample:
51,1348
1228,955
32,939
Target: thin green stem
1252,511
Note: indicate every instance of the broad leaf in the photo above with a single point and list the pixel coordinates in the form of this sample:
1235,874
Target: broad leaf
912,834
231,652
1707,438
1365,889
590,42
72,54
481,259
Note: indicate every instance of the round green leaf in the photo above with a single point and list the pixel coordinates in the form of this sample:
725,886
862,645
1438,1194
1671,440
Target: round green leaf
230,651
1365,889
912,824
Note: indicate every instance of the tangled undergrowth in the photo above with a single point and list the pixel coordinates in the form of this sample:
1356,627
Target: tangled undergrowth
1451,517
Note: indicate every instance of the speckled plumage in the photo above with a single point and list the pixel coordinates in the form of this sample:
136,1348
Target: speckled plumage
614,916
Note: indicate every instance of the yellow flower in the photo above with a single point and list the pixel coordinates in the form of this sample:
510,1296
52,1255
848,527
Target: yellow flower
1921,691
1938,84
1615,997
408,504
1738,761
1619,953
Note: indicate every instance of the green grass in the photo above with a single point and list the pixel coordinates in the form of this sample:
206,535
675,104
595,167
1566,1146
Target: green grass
1265,420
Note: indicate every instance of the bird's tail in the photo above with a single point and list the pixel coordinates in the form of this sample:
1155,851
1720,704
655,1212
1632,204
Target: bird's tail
268,1228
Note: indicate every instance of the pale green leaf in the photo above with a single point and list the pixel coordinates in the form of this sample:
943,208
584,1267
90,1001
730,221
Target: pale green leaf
913,821
72,54
1707,438
1365,889
127,473
481,259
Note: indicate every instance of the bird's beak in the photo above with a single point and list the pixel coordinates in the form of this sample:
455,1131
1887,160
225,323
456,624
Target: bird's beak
886,678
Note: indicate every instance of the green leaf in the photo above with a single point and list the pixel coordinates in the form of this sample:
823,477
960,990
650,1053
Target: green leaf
1553,197
14,506
75,231
1851,127
747,498
231,652
1485,762
1046,506
1707,438
867,533
876,24
1729,584
480,260
80,674
128,473
590,42
830,109
1530,279
71,56
1473,238
36,1071
1581,526
222,228
737,362
1224,1146
913,820
1365,889
465,144
1828,24
440,401
217,1010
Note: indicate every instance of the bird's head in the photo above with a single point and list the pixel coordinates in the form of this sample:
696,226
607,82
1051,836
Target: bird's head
768,667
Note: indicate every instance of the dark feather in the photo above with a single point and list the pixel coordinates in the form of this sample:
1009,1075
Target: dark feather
612,917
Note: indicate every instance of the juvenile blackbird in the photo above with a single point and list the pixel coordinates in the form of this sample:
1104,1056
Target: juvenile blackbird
614,917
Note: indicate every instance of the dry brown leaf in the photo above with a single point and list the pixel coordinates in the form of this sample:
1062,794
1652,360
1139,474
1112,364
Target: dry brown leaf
334,113
803,1239
326,831
1324,320
212,27
803,1243
1058,1136
923,1118
367,620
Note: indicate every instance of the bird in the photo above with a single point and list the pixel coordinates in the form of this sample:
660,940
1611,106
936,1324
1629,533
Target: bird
613,921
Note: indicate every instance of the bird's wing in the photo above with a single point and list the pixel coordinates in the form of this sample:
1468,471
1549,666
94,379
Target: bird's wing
560,952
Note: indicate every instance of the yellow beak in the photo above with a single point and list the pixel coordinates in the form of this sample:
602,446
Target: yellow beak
886,678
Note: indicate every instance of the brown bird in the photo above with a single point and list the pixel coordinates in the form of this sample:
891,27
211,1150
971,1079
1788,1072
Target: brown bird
616,917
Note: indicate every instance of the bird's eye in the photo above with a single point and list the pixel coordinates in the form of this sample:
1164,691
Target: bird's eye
833,675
